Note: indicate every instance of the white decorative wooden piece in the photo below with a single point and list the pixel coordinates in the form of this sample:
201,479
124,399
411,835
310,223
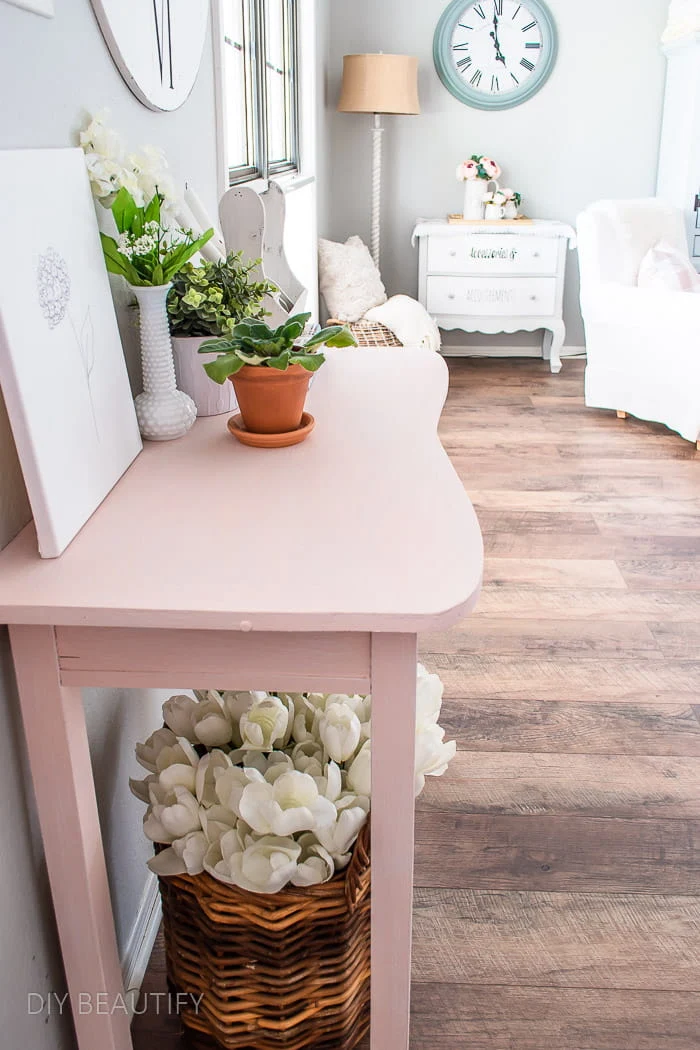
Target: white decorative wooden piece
254,223
62,367
503,277
156,46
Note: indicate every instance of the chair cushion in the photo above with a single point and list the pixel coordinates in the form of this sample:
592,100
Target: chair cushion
664,266
349,280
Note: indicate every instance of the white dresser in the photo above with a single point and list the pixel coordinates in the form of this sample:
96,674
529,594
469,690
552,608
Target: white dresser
500,277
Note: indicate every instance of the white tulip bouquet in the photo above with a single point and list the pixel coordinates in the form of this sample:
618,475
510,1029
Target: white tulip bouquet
265,789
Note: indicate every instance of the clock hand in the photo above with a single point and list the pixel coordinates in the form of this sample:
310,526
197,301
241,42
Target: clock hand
496,43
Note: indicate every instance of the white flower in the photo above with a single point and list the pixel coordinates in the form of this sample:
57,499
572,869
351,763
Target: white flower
307,711
307,757
266,724
289,805
216,821
163,749
209,768
173,818
339,728
262,866
429,690
237,704
432,754
315,863
98,138
330,785
151,170
178,710
184,857
338,838
231,783
360,771
211,722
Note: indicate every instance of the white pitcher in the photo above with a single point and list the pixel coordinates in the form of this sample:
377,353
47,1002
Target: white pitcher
474,192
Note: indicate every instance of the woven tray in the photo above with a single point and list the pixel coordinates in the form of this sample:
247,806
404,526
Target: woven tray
369,333
283,971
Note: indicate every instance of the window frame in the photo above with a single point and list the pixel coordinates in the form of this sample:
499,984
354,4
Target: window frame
255,51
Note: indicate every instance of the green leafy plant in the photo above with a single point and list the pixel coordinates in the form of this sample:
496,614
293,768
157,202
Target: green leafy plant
211,299
146,252
253,342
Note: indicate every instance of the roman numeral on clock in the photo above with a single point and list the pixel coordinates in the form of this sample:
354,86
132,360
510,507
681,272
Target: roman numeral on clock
527,64
464,63
536,46
460,47
529,26
476,79
480,11
164,40
498,7
515,14
494,84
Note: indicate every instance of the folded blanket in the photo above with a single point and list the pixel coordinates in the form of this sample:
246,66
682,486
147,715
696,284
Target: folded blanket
408,320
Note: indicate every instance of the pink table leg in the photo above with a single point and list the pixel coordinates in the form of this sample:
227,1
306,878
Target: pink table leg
393,672
54,723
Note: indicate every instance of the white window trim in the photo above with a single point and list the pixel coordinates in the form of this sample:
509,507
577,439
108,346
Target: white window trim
306,74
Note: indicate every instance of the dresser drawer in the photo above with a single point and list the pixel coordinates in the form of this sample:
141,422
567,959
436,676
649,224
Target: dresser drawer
492,296
493,253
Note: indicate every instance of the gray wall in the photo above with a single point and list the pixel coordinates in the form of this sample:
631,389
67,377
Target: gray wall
593,130
51,73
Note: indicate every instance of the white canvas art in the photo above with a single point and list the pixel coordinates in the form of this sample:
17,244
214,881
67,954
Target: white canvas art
62,368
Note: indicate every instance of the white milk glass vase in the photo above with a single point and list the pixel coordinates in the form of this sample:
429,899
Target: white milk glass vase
163,412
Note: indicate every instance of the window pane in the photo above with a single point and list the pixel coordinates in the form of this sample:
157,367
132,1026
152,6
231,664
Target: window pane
278,45
239,109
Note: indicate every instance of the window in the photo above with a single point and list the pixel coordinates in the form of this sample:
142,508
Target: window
260,87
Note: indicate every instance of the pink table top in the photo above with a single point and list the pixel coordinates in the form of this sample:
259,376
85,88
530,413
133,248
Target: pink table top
363,527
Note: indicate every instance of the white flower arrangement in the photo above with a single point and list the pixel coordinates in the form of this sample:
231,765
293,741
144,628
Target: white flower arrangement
262,790
110,168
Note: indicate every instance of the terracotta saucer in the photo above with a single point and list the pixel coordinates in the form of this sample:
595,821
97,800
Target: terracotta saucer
291,437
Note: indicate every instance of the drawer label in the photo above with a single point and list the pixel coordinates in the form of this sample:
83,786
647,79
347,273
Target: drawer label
489,295
494,253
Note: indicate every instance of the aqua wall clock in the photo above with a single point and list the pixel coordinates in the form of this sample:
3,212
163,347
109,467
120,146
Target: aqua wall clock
494,54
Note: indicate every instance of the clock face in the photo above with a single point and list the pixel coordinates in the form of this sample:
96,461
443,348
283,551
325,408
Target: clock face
494,54
156,46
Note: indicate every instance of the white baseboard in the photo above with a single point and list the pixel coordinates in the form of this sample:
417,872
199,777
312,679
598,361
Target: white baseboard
483,350
140,945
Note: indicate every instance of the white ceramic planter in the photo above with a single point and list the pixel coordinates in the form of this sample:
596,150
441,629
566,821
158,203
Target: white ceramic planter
163,412
510,210
474,192
493,211
211,399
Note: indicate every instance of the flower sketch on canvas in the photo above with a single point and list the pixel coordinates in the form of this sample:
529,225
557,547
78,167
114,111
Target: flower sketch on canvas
54,290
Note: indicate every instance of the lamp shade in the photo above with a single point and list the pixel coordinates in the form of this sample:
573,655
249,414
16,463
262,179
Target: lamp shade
379,84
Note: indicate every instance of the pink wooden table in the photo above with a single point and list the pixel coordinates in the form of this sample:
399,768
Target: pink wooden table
309,568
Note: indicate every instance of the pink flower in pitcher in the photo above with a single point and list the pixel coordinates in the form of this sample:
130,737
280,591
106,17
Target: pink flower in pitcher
467,171
492,169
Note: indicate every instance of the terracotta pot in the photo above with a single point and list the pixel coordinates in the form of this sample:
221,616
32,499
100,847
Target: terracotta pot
270,401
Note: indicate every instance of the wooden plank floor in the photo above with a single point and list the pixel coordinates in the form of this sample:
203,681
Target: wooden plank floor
557,902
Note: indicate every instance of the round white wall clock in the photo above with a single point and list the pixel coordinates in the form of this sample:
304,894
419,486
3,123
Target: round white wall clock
494,54
156,45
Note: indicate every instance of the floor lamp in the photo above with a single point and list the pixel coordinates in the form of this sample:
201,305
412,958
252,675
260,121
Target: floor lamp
379,84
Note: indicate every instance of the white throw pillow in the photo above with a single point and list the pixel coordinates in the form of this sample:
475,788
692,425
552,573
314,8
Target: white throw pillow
664,266
350,282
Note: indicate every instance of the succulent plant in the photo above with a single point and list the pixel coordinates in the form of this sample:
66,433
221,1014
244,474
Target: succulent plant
212,298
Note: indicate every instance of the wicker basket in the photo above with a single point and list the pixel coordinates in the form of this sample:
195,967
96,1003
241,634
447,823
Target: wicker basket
283,971
369,333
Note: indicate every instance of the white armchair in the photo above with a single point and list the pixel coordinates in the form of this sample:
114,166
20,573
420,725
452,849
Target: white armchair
643,345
